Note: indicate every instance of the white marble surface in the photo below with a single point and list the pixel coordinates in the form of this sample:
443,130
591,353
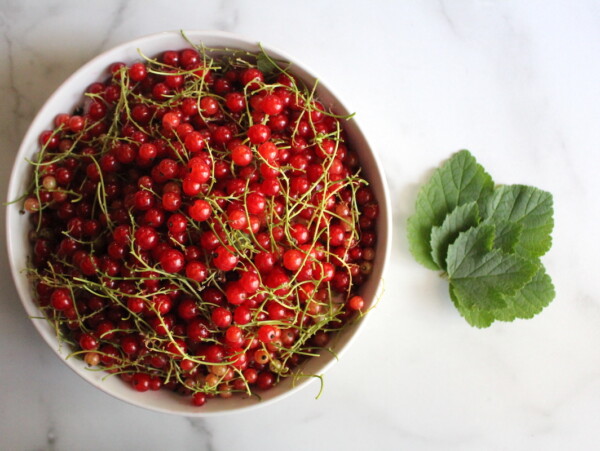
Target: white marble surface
518,83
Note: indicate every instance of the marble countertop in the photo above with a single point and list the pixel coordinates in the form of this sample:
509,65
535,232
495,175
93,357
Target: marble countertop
517,83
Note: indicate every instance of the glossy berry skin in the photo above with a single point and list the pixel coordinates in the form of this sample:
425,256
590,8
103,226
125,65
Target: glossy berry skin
88,342
172,261
194,142
256,203
241,155
324,272
146,238
238,219
196,271
224,260
268,151
141,382
138,72
293,259
200,210
265,380
249,282
235,293
188,309
130,345
264,261
171,201
242,315
214,353
198,399
209,106
356,303
235,102
234,336
198,170
258,133
272,104
266,333
252,77
197,329
221,317
61,299
170,121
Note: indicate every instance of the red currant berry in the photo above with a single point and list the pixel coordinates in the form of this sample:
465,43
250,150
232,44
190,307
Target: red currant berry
137,71
61,299
194,142
242,315
221,317
146,237
356,303
265,380
196,271
293,259
258,133
172,261
224,259
235,293
140,382
241,155
200,210
266,333
88,342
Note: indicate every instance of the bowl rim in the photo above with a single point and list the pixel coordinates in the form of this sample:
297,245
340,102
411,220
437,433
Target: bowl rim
34,129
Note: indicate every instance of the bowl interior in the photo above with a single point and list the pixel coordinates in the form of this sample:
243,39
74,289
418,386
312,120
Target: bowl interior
68,95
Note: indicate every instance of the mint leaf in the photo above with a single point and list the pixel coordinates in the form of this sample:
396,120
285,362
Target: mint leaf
460,219
459,181
475,317
528,206
482,277
530,300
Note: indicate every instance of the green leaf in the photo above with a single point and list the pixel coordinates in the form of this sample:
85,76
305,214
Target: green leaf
507,235
530,300
459,181
528,206
483,277
475,317
265,63
487,240
459,220
526,303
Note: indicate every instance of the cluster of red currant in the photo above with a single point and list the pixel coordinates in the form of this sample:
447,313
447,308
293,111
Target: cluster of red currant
199,224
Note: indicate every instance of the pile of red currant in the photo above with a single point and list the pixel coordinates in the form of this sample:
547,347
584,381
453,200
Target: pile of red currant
200,224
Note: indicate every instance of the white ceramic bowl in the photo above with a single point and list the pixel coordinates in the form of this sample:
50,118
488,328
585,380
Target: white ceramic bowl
64,99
